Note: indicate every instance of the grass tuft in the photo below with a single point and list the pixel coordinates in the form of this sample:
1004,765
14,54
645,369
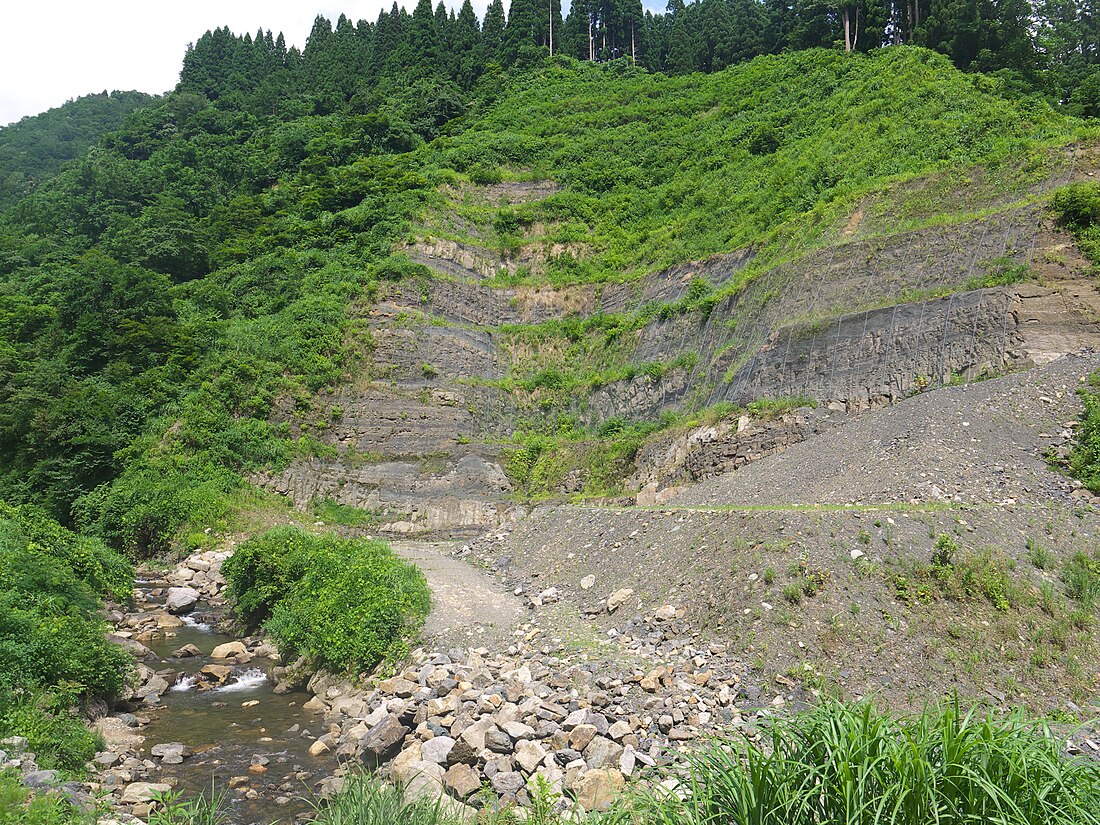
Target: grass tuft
846,764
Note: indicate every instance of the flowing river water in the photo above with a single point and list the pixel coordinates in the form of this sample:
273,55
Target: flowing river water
247,741
233,729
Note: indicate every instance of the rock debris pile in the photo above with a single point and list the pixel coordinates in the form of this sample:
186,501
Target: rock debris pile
453,722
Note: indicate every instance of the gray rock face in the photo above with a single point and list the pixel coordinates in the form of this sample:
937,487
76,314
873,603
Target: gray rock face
602,753
498,741
385,737
462,780
171,753
437,749
181,600
507,783
152,689
41,779
144,792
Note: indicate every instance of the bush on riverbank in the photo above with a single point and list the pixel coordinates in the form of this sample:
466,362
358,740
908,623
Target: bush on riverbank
344,603
18,806
53,651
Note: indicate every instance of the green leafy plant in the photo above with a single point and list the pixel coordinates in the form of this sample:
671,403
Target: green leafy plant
1038,555
204,809
1081,575
1084,458
345,603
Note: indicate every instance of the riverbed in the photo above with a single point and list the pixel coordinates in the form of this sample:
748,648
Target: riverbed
245,740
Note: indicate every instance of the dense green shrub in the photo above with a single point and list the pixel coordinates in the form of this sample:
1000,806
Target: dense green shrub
345,603
1077,208
102,570
262,570
18,806
52,727
50,586
53,650
1078,205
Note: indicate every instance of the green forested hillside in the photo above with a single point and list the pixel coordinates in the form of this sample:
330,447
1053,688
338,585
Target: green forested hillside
162,293
33,149
659,170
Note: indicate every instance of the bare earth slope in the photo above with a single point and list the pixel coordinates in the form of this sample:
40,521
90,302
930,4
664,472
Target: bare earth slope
776,560
982,443
469,607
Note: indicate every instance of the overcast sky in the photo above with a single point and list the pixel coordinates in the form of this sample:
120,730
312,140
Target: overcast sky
52,51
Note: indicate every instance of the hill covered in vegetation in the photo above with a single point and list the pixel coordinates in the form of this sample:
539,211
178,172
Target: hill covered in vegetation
204,263
35,148
429,270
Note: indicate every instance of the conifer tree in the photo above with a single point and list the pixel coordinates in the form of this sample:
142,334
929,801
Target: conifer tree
492,31
467,46
575,31
654,42
681,45
424,48
518,46
387,41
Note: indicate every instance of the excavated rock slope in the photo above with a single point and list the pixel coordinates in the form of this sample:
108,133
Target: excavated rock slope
976,444
816,561
867,320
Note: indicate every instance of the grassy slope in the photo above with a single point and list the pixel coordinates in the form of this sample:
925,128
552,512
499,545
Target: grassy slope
663,170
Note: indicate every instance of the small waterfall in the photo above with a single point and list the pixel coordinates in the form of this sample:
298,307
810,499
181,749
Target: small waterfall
191,621
246,680
184,683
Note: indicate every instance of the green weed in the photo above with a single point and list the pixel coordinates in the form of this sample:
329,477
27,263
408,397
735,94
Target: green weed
852,764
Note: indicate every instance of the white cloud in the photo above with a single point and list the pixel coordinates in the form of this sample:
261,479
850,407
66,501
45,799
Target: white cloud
52,51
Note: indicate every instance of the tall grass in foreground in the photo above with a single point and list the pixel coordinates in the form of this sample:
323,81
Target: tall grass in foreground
852,765
365,800
834,765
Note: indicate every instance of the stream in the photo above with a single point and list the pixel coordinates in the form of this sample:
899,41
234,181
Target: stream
246,741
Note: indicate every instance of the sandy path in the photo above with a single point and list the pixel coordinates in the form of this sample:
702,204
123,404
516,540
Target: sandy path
469,604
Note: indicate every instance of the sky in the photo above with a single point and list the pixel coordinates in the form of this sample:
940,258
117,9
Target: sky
52,51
